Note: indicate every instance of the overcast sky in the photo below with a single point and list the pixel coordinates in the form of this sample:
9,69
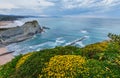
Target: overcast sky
102,8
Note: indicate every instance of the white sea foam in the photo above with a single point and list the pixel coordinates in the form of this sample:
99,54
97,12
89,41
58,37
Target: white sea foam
14,47
25,48
18,23
87,36
13,24
42,44
67,43
77,43
34,36
84,31
30,47
59,40
80,44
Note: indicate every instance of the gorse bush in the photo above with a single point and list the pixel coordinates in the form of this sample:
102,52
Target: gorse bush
64,66
22,60
102,69
91,50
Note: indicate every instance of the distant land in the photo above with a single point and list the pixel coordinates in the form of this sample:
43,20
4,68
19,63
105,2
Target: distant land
16,17
10,17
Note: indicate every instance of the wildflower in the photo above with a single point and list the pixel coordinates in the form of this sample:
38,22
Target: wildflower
64,66
22,60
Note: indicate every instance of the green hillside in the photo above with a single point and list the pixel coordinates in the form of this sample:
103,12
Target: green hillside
99,60
10,17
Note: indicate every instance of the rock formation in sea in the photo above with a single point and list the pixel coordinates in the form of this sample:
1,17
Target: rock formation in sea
20,33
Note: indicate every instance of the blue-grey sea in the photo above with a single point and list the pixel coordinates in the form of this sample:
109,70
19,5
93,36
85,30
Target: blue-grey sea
65,30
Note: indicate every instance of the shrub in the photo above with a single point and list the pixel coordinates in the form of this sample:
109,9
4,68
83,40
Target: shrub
117,60
22,60
64,66
102,69
110,53
91,50
114,38
113,48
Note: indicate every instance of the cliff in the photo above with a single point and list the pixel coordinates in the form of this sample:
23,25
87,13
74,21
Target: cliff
20,33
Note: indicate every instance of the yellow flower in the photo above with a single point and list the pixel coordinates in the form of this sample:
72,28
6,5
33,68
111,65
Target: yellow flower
64,66
22,60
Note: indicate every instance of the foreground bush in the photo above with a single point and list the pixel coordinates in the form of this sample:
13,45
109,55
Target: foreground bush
91,50
64,66
102,69
22,60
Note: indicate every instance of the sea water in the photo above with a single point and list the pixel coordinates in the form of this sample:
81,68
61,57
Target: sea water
65,30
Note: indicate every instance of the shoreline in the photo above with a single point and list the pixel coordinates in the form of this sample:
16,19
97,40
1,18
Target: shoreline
5,58
4,23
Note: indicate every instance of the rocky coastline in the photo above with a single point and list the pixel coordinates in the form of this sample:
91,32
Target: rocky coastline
19,33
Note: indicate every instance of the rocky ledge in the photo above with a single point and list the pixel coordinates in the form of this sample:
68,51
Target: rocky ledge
19,33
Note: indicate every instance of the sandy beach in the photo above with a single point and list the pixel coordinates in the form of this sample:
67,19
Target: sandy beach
10,24
4,23
5,58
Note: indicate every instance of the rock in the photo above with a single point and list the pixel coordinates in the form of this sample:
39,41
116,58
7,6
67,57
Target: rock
20,33
45,27
31,28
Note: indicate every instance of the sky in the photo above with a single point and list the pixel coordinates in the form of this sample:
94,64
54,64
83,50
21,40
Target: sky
91,8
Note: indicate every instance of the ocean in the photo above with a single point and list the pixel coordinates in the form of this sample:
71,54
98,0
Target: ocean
65,30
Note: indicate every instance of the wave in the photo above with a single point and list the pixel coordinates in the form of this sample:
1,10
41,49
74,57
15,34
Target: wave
18,23
59,41
84,31
78,41
86,36
80,44
25,48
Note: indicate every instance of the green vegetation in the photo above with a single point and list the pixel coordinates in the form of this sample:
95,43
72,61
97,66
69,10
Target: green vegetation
99,60
114,38
62,66
10,17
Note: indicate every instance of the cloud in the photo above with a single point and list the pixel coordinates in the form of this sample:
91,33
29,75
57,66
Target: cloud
71,4
88,7
45,3
60,7
7,6
34,6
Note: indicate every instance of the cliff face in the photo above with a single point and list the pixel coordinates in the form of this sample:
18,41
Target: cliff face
31,28
20,33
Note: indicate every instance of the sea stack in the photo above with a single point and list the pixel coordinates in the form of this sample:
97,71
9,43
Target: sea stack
20,33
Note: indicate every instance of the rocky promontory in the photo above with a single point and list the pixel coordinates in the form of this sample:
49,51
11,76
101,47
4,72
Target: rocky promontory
19,33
